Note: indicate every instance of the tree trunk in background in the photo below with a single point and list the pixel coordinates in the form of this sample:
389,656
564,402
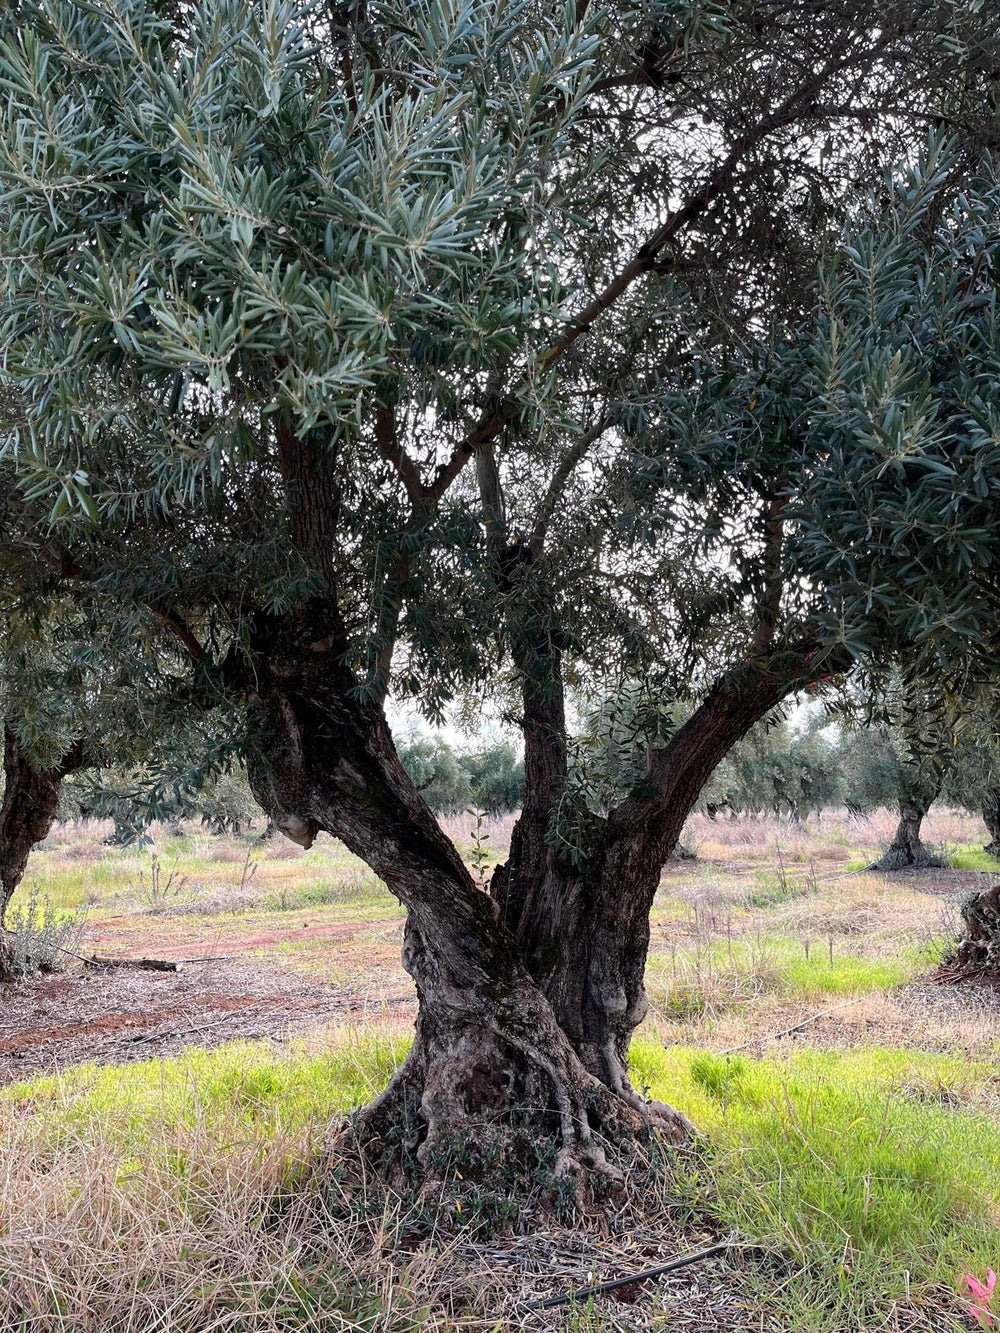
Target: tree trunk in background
906,851
991,818
979,949
30,802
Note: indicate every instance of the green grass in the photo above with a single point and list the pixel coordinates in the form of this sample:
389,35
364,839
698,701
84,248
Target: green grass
246,1083
971,856
869,1174
872,1172
720,973
845,975
73,886
365,895
775,888
192,868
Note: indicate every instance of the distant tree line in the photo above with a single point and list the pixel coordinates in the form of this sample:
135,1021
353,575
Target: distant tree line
489,778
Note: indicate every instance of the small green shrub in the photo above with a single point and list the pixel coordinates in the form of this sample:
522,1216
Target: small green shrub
40,939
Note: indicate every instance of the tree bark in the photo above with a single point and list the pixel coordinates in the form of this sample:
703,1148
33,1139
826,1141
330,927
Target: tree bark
979,949
28,811
612,943
991,818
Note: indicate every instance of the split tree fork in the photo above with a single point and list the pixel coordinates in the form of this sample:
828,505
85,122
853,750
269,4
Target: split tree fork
27,813
527,998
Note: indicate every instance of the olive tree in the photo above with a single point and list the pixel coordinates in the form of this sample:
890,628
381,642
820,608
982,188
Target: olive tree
435,347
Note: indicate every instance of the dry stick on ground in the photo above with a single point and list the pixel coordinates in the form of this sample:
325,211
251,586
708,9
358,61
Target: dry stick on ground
584,1293
139,964
787,1032
145,964
155,964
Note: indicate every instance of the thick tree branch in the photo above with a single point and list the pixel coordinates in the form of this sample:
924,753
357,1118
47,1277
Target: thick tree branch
389,446
491,495
741,697
387,624
181,631
312,493
556,487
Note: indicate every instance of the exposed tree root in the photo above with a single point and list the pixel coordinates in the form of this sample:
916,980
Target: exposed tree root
487,1132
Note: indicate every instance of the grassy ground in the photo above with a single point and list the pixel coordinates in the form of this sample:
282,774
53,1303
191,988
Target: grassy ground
849,1108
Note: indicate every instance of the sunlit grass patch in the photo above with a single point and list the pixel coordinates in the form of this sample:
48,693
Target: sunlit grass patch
364,893
972,856
71,884
844,974
194,1193
242,1086
772,888
716,975
876,1173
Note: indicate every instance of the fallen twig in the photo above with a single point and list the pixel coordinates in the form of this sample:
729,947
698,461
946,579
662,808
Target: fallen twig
178,1032
140,964
598,1288
787,1032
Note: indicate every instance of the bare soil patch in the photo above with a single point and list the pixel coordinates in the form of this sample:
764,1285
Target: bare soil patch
117,1016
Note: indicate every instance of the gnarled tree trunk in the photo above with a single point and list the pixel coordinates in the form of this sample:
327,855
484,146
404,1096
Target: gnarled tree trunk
28,811
489,1050
489,1047
528,995
907,851
991,818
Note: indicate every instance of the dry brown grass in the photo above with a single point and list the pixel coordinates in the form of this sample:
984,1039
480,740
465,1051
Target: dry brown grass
832,835
199,1234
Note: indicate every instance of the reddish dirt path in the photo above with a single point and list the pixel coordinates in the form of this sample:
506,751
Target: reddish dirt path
113,1017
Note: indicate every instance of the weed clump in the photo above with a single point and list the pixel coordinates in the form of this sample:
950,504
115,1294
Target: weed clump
40,939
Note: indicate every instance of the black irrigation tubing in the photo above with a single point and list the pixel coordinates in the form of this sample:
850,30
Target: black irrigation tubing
584,1293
